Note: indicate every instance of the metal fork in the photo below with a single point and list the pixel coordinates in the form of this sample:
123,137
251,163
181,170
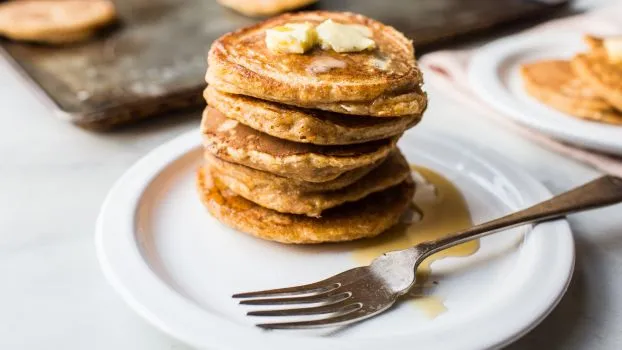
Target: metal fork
366,291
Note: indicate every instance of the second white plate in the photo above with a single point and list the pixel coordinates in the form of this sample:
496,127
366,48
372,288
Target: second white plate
494,76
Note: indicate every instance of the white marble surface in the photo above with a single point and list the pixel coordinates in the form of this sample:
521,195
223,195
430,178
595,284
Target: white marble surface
54,176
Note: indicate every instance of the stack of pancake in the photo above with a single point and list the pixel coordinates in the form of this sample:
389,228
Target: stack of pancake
588,86
301,148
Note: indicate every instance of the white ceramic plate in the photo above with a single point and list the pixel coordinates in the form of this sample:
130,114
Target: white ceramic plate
177,266
494,76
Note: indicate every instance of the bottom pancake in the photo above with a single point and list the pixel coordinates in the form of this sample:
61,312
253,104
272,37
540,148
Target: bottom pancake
554,83
364,218
391,172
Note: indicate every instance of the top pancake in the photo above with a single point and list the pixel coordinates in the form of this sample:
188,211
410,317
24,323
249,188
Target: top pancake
380,82
554,83
599,72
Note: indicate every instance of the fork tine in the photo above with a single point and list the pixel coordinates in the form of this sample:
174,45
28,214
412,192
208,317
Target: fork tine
339,307
317,287
350,316
330,296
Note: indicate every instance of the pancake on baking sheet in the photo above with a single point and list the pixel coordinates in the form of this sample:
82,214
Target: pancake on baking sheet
54,21
235,142
601,72
368,217
264,179
306,125
384,81
264,7
391,172
553,82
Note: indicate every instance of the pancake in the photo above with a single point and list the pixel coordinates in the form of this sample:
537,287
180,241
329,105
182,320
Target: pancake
54,21
364,218
65,38
381,82
600,73
260,178
235,142
391,172
305,125
554,83
264,7
390,105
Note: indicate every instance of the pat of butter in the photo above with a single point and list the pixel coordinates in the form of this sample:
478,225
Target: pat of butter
613,45
344,37
291,38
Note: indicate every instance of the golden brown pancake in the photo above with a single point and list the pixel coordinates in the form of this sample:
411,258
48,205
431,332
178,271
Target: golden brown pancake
364,218
235,142
600,73
264,179
391,172
554,83
381,82
399,104
264,7
54,21
306,125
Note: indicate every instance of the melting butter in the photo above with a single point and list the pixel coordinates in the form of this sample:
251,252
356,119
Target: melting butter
443,210
324,64
344,37
381,62
613,46
291,38
298,38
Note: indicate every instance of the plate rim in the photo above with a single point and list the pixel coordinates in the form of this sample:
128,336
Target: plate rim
120,275
487,85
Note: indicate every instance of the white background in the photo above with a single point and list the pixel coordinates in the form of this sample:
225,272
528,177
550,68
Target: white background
54,176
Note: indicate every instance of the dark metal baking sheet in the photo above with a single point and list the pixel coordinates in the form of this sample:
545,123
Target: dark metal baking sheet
154,60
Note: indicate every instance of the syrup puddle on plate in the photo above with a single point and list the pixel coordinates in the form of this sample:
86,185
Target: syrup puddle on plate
438,209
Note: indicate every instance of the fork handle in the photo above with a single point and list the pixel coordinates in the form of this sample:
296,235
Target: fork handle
601,192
